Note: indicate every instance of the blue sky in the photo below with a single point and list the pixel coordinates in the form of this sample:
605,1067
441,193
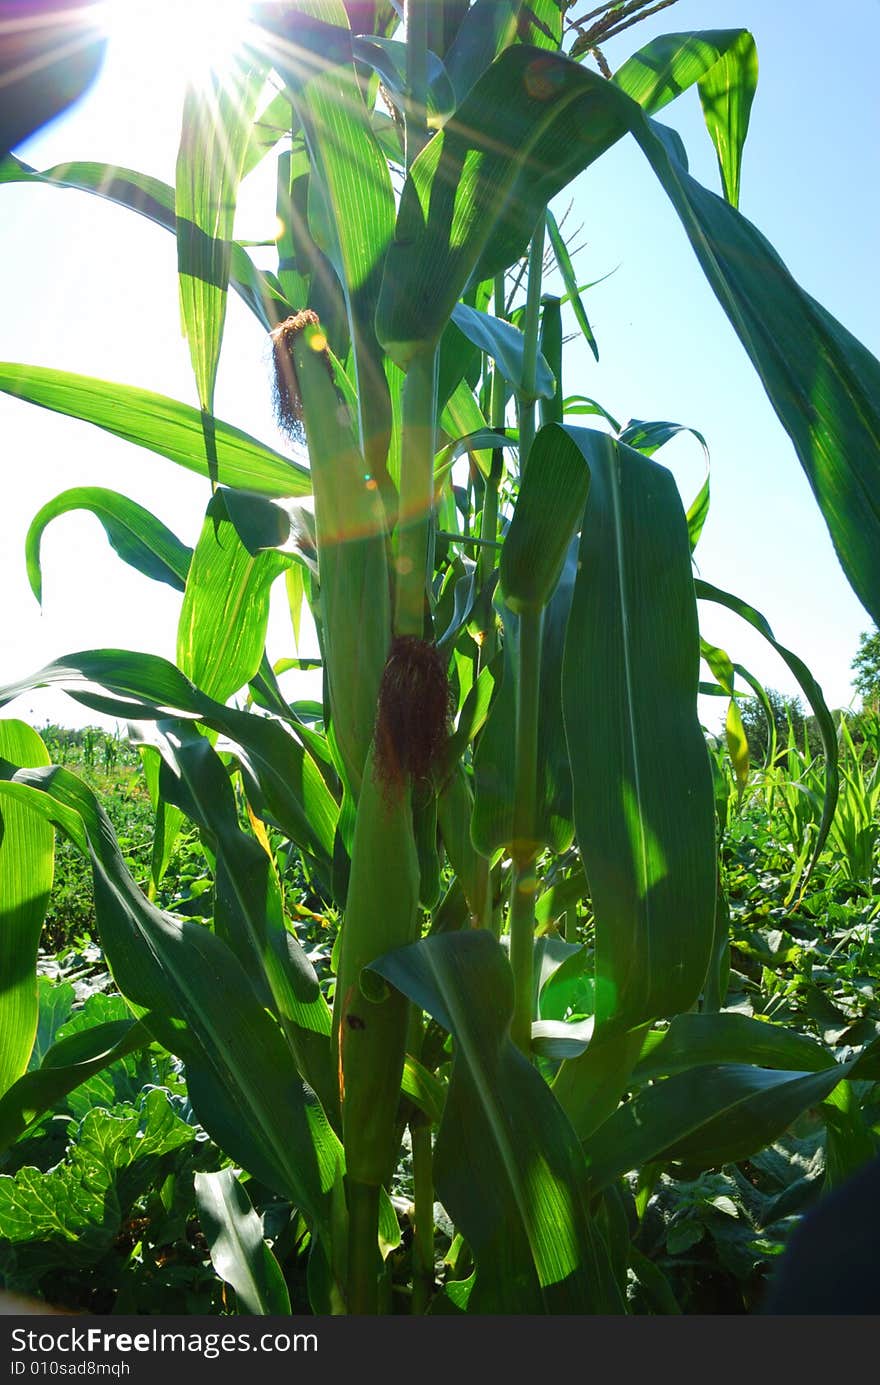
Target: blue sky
91,288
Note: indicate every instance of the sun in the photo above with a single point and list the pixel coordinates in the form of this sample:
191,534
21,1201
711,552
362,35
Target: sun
192,38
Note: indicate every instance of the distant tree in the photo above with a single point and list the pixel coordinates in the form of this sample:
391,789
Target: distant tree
866,666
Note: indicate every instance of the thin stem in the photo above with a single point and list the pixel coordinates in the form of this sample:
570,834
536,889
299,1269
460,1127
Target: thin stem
416,493
363,1248
530,345
524,849
423,1199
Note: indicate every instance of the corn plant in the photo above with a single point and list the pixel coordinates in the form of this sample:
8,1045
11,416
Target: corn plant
510,666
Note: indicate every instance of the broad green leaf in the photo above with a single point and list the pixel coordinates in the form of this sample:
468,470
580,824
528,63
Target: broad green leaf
51,55
507,1163
27,854
221,633
505,344
248,911
649,438
70,1216
163,425
823,384
282,777
238,1252
152,198
214,139
692,1041
200,1006
705,1117
315,61
140,539
813,693
590,1084
643,800
668,65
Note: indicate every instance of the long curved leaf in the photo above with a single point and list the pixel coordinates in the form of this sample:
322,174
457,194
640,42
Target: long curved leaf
282,776
163,425
221,634
813,693
705,1117
152,198
140,539
199,1004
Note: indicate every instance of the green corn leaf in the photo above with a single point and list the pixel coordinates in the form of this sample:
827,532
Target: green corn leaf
221,633
199,1005
705,1117
649,438
387,58
505,344
214,139
66,1065
163,425
643,802
696,1040
238,1252
27,854
507,1164
140,539
282,777
248,912
152,198
726,93
490,26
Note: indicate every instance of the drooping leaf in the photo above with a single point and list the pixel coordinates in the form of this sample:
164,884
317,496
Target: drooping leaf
813,693
283,778
152,198
140,539
199,1006
505,344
